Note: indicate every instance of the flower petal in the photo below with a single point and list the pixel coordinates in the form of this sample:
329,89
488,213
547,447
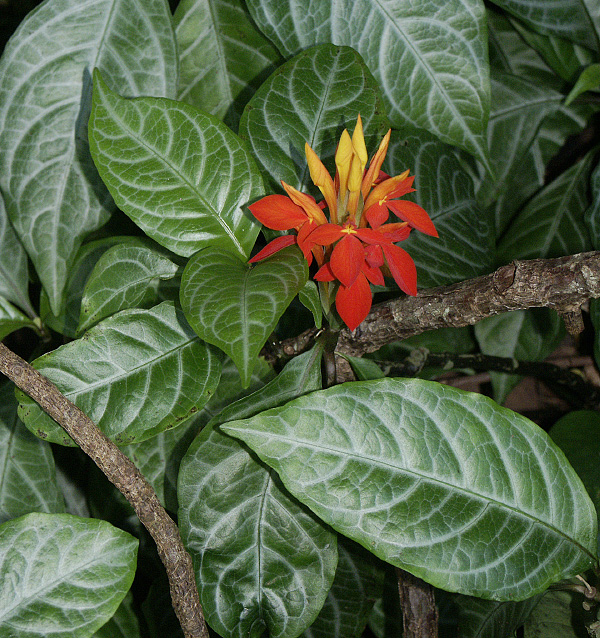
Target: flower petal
324,273
354,302
347,258
278,212
274,246
383,190
373,172
374,256
402,267
377,215
373,275
398,231
306,202
326,234
414,215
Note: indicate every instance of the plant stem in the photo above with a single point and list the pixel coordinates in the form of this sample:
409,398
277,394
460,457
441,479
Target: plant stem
419,613
126,478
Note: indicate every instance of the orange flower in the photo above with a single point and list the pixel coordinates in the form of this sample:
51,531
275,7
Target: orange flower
347,251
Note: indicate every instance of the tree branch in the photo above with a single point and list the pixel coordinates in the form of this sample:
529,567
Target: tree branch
127,479
419,613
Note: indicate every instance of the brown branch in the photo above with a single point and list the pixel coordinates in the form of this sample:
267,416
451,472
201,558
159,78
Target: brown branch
127,479
562,284
419,613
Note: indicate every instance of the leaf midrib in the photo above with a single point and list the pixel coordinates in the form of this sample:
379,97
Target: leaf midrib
420,476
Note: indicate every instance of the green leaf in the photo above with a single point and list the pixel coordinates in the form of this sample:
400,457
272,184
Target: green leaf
446,484
310,299
12,319
126,276
27,473
186,189
559,613
307,100
85,260
358,582
575,20
491,619
364,369
589,80
244,500
235,306
525,335
264,561
63,576
124,623
563,56
158,458
14,279
518,109
577,434
552,223
135,374
53,194
223,57
464,248
435,74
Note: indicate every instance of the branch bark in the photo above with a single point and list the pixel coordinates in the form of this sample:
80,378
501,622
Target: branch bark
419,613
126,478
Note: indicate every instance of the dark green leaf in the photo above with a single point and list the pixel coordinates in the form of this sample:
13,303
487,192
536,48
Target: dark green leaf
308,100
358,582
235,306
264,561
126,276
124,623
62,576
85,260
435,74
310,299
135,374
186,189
559,613
575,20
464,248
223,57
444,483
12,319
53,194
27,472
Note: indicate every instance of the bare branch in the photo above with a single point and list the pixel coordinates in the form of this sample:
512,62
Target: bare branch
127,479
562,284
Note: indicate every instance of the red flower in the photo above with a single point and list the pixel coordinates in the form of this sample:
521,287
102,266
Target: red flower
347,251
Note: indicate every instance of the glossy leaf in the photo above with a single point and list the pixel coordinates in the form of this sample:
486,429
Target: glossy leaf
264,561
223,57
186,189
552,223
518,109
208,516
236,307
559,613
62,575
123,624
310,299
12,319
126,276
491,619
577,434
14,280
158,458
308,100
135,374
435,75
575,20
443,483
589,80
358,582
54,196
464,248
524,335
27,472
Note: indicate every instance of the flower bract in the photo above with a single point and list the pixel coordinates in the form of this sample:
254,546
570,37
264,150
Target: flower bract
356,245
